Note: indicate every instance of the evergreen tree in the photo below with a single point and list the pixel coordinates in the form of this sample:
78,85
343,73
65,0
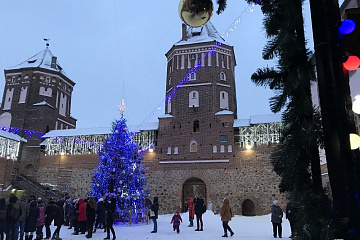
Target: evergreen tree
296,160
120,173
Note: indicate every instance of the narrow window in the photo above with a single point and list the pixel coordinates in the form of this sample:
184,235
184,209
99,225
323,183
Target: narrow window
214,149
194,99
176,150
222,76
196,126
193,76
169,151
192,56
222,148
229,148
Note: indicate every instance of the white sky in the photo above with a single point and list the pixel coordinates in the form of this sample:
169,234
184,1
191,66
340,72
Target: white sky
115,50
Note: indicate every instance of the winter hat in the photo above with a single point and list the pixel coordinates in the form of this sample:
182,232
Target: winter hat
275,202
101,199
177,212
200,196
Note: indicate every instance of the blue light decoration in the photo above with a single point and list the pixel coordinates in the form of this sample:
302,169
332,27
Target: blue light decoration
347,26
121,174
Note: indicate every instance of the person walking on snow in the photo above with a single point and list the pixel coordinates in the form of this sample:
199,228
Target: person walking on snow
276,219
226,215
176,219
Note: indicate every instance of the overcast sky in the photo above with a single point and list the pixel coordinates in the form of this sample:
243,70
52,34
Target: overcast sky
115,50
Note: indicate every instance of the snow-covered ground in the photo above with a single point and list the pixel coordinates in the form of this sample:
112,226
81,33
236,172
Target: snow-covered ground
245,228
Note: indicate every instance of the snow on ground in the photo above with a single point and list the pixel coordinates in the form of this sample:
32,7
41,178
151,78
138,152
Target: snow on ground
245,228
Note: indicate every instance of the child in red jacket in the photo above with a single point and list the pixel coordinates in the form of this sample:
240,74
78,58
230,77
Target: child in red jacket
176,219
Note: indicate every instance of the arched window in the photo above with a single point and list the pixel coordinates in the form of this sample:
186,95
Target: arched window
222,76
229,148
214,149
169,106
192,76
196,126
176,150
224,100
193,146
222,148
194,99
169,150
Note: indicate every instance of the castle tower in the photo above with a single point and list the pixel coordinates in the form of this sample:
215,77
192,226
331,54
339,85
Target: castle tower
198,124
36,99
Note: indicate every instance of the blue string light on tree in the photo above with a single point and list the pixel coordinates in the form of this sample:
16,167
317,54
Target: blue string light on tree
121,173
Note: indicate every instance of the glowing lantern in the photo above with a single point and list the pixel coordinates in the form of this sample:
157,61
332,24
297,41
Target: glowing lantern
351,63
354,141
356,105
347,26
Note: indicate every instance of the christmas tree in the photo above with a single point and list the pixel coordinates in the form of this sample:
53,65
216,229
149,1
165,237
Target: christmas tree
120,173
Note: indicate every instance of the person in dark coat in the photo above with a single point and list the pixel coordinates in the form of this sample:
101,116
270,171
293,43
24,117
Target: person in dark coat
110,211
176,219
100,215
276,218
59,218
50,212
90,214
3,225
30,222
13,221
290,215
72,214
199,210
25,206
67,208
155,208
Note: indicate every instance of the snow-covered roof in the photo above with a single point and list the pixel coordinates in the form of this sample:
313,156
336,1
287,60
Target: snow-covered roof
42,59
206,33
224,112
241,122
258,119
166,116
43,103
149,126
12,136
78,132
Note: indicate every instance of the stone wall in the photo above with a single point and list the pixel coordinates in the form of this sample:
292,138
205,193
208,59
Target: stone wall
258,185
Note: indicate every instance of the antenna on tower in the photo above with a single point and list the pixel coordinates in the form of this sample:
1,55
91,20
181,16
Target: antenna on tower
47,40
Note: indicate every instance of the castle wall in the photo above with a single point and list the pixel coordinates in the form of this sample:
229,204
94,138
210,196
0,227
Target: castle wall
249,176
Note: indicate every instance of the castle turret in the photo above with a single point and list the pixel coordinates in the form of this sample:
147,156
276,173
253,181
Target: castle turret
205,104
36,99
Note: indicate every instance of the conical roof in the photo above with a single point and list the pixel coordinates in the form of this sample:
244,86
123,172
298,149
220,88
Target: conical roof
206,33
42,59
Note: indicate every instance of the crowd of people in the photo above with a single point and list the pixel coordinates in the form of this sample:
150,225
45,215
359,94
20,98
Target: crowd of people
27,217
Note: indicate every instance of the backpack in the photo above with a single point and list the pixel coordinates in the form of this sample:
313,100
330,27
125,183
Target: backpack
204,208
15,211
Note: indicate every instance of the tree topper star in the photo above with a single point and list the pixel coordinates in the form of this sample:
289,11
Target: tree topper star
122,108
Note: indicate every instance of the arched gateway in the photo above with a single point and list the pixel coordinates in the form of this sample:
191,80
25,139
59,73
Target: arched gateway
192,187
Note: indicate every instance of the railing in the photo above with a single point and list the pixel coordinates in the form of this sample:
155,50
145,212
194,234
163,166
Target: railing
32,186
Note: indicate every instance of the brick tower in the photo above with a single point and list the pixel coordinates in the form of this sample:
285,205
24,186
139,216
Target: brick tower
198,124
36,99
